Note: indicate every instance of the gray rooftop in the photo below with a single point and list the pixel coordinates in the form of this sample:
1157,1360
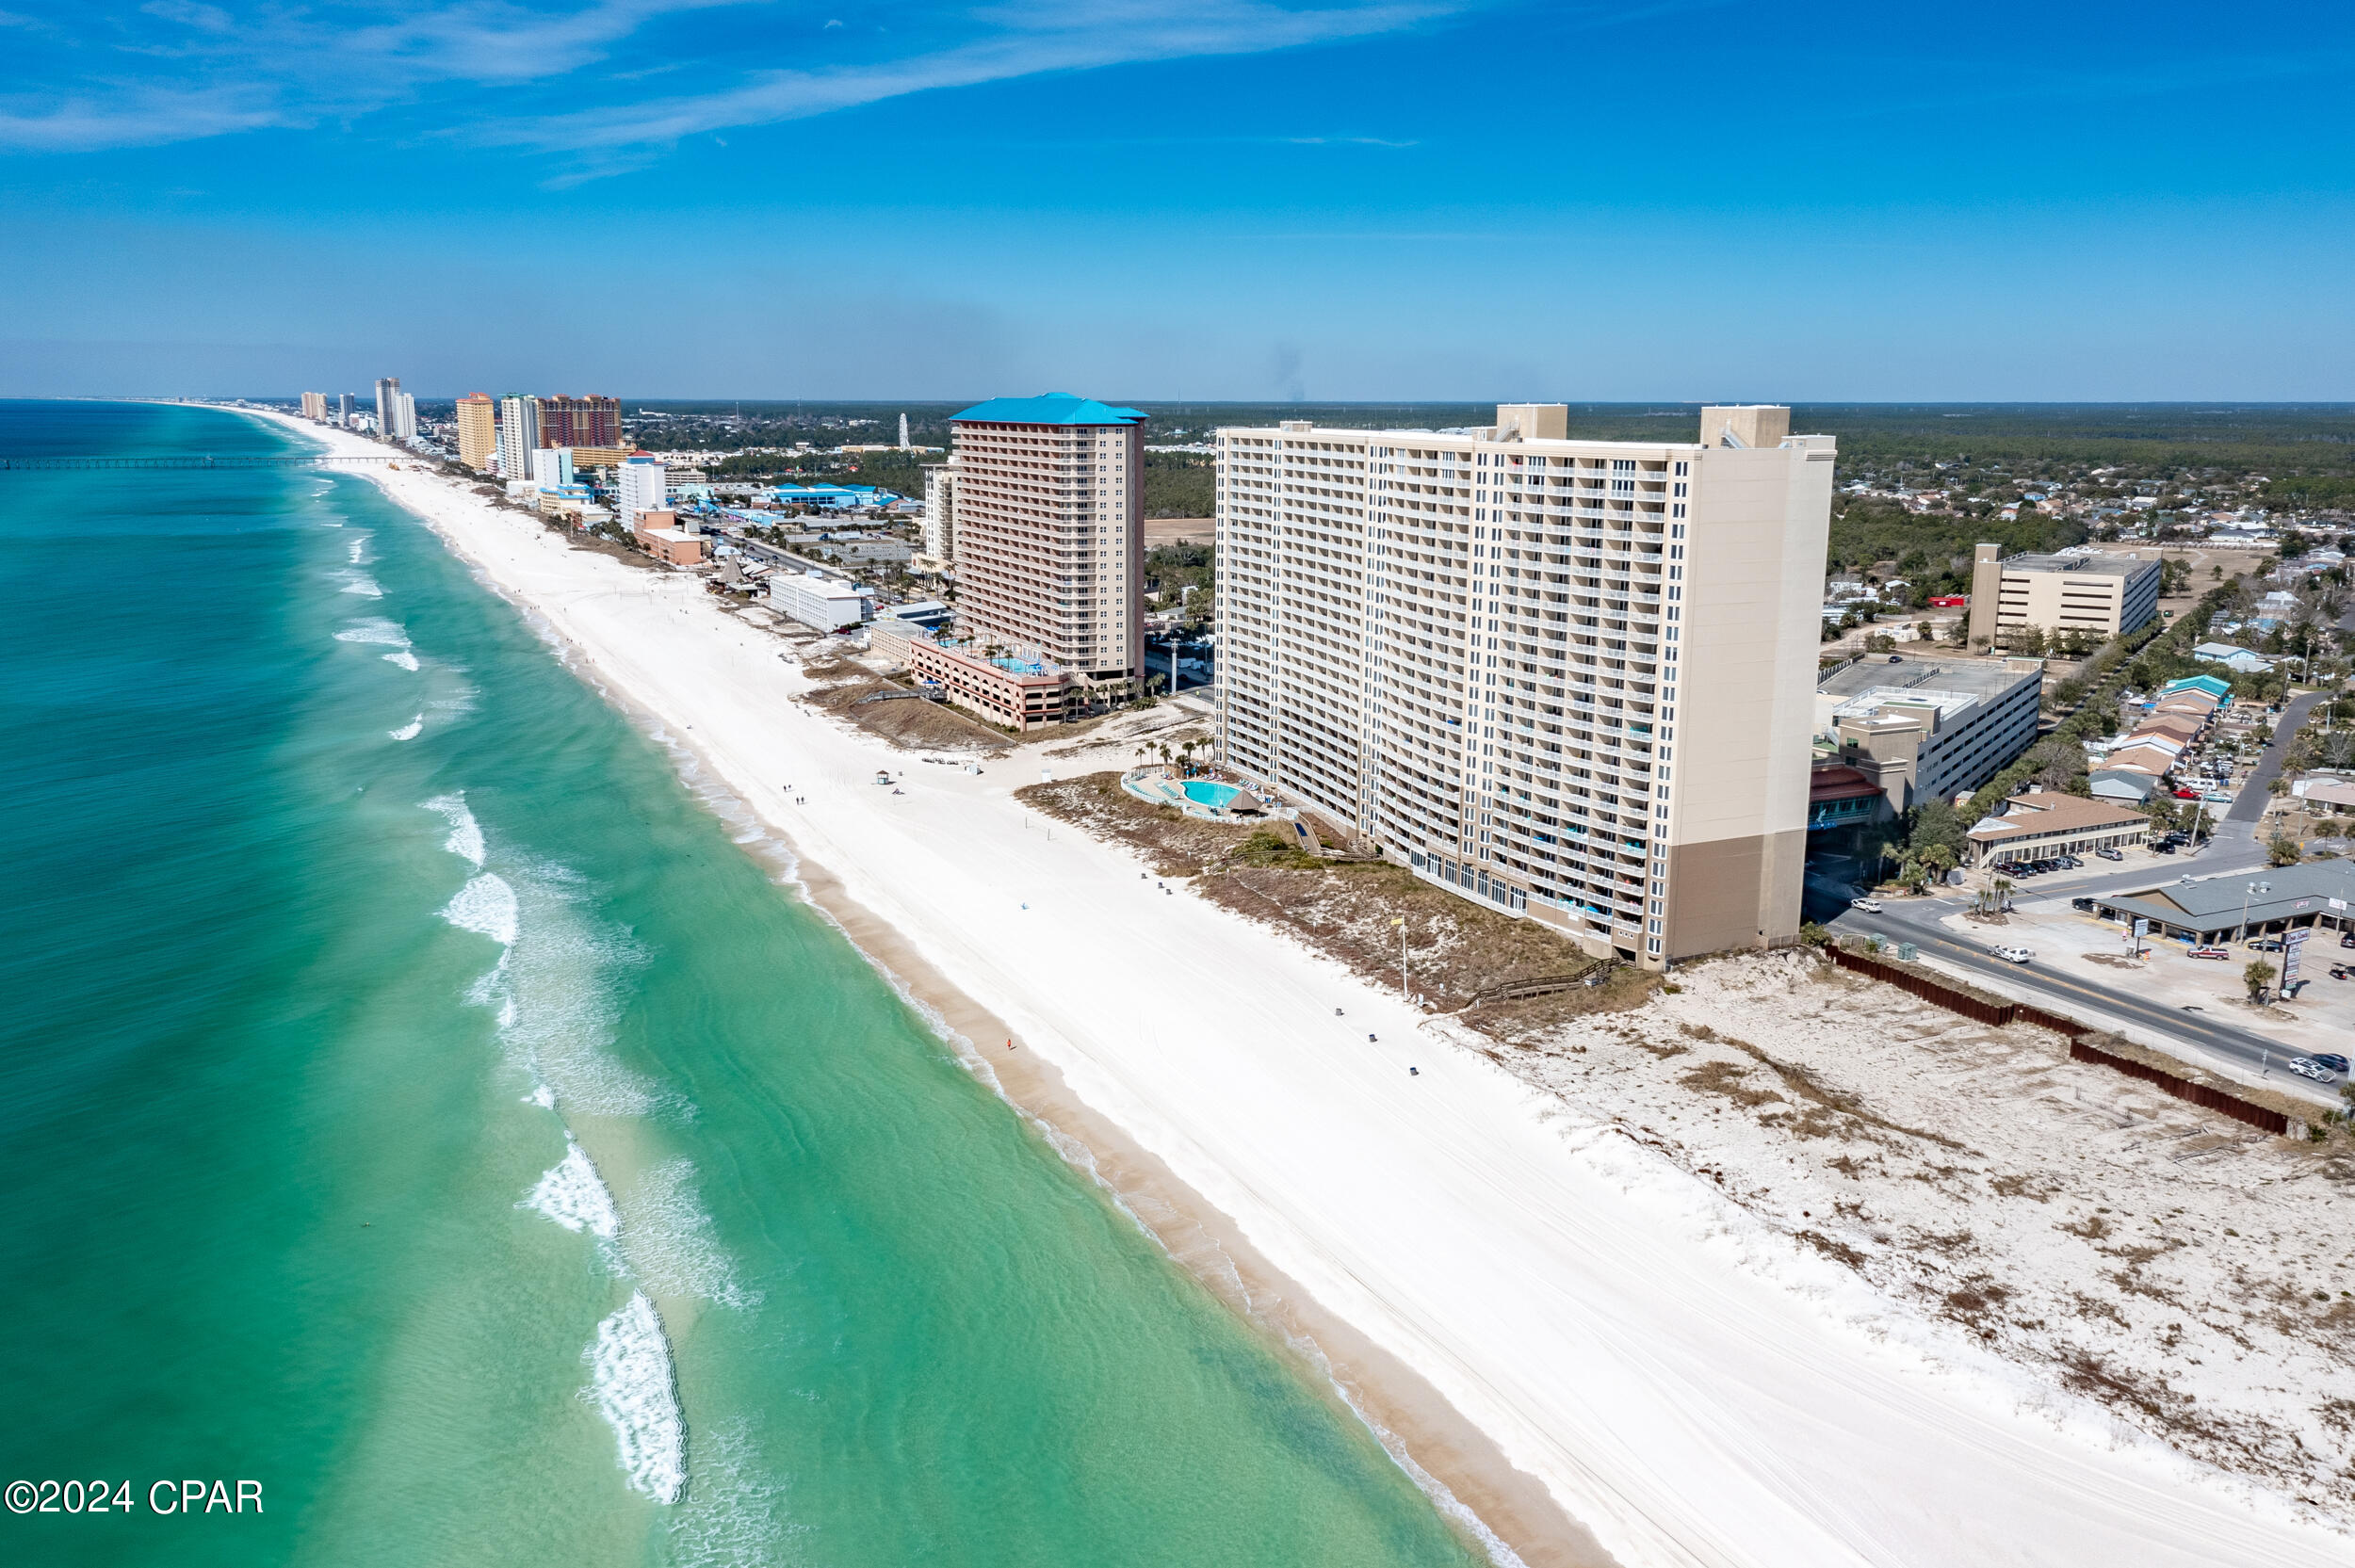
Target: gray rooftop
2106,565
1933,678
2214,904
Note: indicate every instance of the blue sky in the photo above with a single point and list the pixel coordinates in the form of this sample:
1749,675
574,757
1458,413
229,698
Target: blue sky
1173,199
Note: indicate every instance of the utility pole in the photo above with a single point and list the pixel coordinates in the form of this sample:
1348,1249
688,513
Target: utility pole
1401,924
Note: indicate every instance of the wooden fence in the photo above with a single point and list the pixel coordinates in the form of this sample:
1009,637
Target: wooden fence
2199,1094
2000,1013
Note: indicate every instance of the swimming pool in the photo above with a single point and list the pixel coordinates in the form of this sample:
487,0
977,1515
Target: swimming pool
1203,792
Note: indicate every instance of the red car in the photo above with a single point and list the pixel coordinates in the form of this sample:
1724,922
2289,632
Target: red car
2187,794
1949,601
2212,952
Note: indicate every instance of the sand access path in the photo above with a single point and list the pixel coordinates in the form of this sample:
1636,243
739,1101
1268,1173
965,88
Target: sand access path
1689,1386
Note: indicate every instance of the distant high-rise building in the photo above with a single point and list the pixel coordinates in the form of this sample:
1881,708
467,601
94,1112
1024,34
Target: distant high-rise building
580,421
387,403
314,405
904,432
478,430
940,511
642,487
519,436
404,416
1573,679
1050,530
343,408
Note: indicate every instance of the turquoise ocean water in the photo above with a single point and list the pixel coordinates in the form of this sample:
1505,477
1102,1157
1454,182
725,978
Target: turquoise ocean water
414,1099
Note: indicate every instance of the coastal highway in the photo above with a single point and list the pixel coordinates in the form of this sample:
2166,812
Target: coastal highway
1916,920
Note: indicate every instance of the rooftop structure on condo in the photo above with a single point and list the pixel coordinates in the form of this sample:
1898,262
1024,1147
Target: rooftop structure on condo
2076,591
1050,532
1929,728
1572,678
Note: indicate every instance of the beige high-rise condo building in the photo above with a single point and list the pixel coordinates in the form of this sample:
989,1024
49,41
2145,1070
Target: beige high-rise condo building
1575,679
314,405
478,430
2075,590
1049,533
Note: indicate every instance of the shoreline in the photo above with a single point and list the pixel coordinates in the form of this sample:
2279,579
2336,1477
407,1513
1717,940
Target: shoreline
1598,1334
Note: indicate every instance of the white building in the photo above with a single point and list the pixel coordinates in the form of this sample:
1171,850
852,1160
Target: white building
828,604
642,487
940,515
395,411
1572,678
552,465
519,436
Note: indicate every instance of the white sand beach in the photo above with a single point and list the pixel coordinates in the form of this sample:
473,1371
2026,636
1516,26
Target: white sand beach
1688,1384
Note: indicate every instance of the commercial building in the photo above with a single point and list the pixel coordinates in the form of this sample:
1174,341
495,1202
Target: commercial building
2318,894
1572,678
1049,532
478,431
2076,591
2043,824
1015,691
519,436
1929,728
642,487
940,516
580,421
828,604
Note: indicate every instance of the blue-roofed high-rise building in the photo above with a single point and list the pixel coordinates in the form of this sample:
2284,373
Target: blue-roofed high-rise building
1050,533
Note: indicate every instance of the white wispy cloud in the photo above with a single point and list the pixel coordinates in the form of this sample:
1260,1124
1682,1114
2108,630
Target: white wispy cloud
223,68
1030,41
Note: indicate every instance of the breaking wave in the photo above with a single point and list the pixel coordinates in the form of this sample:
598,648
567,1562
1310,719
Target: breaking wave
384,634
465,834
408,730
575,1196
486,905
633,1386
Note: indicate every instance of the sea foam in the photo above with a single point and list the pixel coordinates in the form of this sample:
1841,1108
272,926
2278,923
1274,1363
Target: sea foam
383,632
408,730
465,834
632,1385
672,1245
575,1196
359,582
486,905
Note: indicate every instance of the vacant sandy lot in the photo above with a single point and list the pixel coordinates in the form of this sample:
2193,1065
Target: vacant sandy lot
2192,1278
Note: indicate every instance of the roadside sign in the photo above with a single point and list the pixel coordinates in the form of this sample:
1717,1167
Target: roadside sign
2291,946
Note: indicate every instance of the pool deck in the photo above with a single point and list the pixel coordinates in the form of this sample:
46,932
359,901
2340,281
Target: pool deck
1162,786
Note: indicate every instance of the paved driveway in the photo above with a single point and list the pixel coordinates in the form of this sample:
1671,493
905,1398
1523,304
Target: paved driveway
2250,804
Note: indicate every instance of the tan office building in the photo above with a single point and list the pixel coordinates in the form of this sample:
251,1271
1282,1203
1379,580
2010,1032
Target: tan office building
2076,591
1572,678
478,431
1049,537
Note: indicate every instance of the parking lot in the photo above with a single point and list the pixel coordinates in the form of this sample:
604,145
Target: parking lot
2072,944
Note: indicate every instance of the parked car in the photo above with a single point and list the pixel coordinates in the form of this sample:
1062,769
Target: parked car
2225,953
2341,972
2265,945
2163,847
2346,938
2337,1063
2307,1067
2014,955
2080,903
2110,854
1870,906
2187,794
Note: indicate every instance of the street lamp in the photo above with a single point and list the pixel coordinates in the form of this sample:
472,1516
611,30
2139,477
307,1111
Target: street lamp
2248,893
1401,924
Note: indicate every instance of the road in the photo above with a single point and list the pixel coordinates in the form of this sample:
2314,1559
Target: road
2251,803
1916,920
